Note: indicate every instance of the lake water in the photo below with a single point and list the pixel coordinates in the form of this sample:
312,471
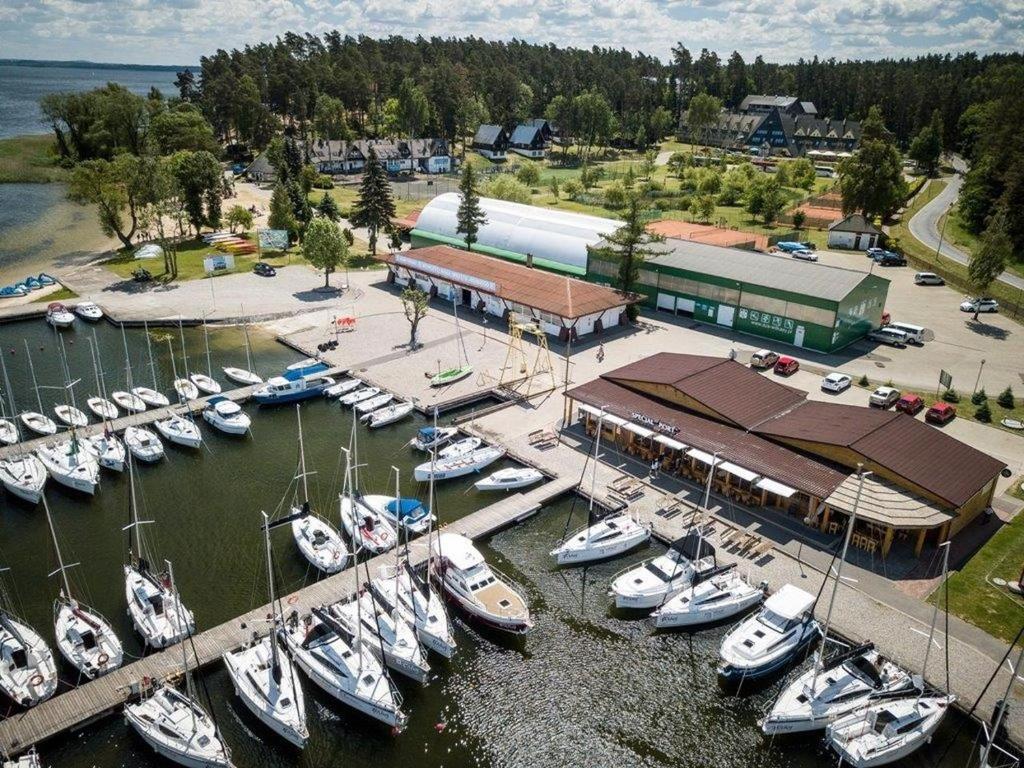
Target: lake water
588,687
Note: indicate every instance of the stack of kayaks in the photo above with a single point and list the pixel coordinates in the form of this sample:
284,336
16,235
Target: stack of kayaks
30,283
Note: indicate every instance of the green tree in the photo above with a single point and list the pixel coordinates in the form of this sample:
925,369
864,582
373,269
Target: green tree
989,261
1005,398
702,207
415,304
328,208
593,120
200,179
471,113
281,215
120,189
630,246
528,174
470,215
661,123
703,115
926,148
871,181
413,108
182,127
504,186
239,216
614,196
647,164
764,199
375,207
799,218
324,247
553,186
330,120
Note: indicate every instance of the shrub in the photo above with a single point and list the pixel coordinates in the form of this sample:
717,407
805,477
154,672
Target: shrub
979,397
799,217
572,189
506,187
864,381
528,174
984,413
614,196
951,396
1005,398
323,181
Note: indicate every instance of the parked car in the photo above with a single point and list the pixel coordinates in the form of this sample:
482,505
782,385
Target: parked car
763,359
884,397
786,366
915,333
263,269
890,259
940,413
889,336
836,382
980,304
928,278
804,255
910,404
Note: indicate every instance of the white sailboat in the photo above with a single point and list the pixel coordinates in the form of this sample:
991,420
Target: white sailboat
22,475
66,411
404,514
8,431
184,387
366,528
37,421
993,755
205,382
152,396
143,444
459,466
28,672
29,760
462,447
245,376
389,636
265,678
84,637
719,596
430,438
509,479
126,398
71,465
178,429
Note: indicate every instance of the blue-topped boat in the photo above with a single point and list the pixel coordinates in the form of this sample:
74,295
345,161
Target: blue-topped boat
294,385
45,279
401,512
12,291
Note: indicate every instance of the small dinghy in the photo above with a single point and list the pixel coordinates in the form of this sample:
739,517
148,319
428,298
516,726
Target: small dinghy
390,637
103,408
509,479
655,581
389,415
70,415
28,673
178,728
227,416
205,384
108,450
180,431
144,445
39,423
24,477
13,291
452,375
58,316
241,376
46,280
32,283
365,527
89,310
409,514
309,362
343,387
460,448
8,432
151,397
186,389
71,465
129,401
428,438
416,599
359,395
610,537
367,406
446,469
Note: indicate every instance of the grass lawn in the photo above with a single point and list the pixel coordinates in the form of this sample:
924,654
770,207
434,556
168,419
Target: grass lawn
29,159
973,598
190,262
345,196
64,294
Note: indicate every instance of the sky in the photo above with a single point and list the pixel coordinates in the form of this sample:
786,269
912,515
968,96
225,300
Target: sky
180,31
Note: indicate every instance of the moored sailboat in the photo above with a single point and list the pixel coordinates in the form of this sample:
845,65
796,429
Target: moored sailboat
28,673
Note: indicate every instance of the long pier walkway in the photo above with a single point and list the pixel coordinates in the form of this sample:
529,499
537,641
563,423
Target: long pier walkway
97,698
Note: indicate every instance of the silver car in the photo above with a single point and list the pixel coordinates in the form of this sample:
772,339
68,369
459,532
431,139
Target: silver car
890,336
928,278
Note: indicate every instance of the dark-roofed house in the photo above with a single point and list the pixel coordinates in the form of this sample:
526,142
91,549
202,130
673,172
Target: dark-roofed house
491,141
547,129
528,141
854,232
397,156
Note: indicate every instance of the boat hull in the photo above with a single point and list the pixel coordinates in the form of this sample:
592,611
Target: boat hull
242,376
730,674
294,733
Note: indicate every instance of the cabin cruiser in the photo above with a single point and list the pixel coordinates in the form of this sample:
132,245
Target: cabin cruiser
178,728
179,430
28,673
23,476
58,315
509,479
654,581
768,642
606,538
71,465
144,445
460,465
89,310
886,731
399,589
226,415
294,385
108,450
482,592
408,514
719,595
428,438
151,397
390,636
318,541
366,527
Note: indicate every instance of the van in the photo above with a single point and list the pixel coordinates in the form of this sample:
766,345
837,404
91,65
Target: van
914,333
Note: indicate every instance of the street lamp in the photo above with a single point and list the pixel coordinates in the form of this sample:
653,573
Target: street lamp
978,380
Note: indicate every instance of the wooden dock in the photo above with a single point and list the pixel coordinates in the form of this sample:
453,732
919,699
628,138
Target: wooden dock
80,706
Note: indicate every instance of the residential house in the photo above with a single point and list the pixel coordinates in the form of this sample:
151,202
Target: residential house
491,141
547,129
260,170
397,156
528,141
854,232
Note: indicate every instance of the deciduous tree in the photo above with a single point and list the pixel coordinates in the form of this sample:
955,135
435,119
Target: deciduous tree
324,247
872,180
415,304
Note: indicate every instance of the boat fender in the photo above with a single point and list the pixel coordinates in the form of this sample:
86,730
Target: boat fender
36,679
102,659
439,727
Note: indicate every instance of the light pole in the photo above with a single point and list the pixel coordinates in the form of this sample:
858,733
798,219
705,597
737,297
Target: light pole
978,380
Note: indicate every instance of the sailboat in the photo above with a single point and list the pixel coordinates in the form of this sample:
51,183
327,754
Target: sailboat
366,528
184,387
389,636
175,724
37,421
152,396
156,610
24,475
127,399
404,514
886,731
106,446
66,411
993,755
98,403
265,678
205,381
178,429
29,760
28,673
462,368
84,637
244,376
71,465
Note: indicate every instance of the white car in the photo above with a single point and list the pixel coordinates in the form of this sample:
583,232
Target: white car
836,382
979,305
884,397
804,255
928,278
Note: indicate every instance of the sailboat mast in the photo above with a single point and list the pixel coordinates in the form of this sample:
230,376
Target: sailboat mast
69,391
10,395
935,617
189,688
458,329
206,341
127,359
990,742
248,352
170,350
593,472
398,531
56,549
302,456
133,512
32,371
184,354
95,366
102,377
273,603
149,352
430,507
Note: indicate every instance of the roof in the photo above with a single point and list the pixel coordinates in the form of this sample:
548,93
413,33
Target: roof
846,424
488,134
762,100
855,222
735,445
323,150
884,503
789,602
545,291
458,550
524,134
730,389
781,273
808,107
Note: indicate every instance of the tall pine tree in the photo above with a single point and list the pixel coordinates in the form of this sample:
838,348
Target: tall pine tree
630,246
470,215
375,207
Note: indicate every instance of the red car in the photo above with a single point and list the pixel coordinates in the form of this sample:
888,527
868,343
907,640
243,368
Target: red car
940,413
910,404
786,366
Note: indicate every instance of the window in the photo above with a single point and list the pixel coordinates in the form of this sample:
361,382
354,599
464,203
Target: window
601,267
678,284
763,303
648,277
816,315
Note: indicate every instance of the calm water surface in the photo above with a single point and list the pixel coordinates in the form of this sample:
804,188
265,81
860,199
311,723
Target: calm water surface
586,688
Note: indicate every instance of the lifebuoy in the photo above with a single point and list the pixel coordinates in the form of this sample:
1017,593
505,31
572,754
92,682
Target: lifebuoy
102,659
36,679
293,600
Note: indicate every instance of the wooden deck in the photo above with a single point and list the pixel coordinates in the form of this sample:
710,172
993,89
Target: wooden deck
77,707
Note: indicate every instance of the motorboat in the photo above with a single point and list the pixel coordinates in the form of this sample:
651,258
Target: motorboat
70,415
108,450
143,444
318,541
509,479
29,760
405,513
156,610
241,376
389,414
39,423
852,679
178,728
13,291
85,638
8,432
397,588
71,465
774,638
366,528
428,438
460,448
180,431
343,387
294,385
478,589
370,404
185,389
390,637
32,283
445,469
205,384
89,310
344,668
151,397
303,364
58,315
887,731
23,476
129,401
103,408
609,537
359,395
656,580
28,672
226,415
46,280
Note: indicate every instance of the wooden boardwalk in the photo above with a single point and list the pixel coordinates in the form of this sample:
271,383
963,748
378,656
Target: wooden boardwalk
77,707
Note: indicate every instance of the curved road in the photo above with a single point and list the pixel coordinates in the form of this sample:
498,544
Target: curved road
924,225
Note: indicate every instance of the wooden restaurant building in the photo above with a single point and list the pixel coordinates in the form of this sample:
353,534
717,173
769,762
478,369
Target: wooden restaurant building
770,447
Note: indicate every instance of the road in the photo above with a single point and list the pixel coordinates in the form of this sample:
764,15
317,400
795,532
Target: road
924,225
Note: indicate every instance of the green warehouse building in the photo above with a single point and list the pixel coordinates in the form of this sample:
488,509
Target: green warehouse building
776,297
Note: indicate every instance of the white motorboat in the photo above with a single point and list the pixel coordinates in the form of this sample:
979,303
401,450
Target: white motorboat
70,415
226,415
610,537
71,465
89,310
143,444
480,590
186,389
108,450
180,431
241,376
151,397
460,448
178,728
428,438
343,667
205,384
445,469
23,476
390,637
365,527
389,414
29,760
370,404
409,514
59,316
28,672
359,395
653,582
129,401
39,423
294,386
343,387
509,479
887,731
717,597
771,640
300,365
8,432
103,408
396,588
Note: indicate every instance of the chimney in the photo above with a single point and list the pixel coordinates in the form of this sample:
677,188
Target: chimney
529,260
